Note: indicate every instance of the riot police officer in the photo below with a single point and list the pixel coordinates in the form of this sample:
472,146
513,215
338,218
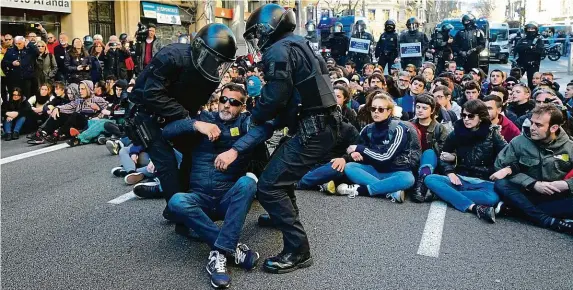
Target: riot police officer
387,46
297,94
311,35
529,50
442,45
359,58
468,44
338,42
162,94
413,35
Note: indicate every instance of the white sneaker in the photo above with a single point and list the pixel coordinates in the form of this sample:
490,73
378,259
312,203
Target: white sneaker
397,196
345,189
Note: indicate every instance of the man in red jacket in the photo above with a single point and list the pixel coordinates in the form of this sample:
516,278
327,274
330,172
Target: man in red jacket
51,43
494,106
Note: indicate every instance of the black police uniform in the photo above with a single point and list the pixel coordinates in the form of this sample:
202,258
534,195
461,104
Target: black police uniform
529,50
443,50
387,49
360,59
162,95
338,45
468,44
413,37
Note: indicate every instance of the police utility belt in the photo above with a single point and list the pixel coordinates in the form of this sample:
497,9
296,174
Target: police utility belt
138,126
313,123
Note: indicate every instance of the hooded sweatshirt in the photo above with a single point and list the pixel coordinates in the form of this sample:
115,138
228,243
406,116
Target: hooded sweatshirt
82,106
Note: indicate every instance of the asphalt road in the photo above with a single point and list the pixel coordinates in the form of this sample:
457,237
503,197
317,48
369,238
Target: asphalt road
59,232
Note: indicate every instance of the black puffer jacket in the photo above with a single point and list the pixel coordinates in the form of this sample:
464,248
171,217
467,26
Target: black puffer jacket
475,150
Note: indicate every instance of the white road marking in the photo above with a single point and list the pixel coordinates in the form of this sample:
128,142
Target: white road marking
33,153
123,198
432,236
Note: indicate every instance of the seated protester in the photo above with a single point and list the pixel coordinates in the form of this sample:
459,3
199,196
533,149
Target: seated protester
495,80
517,74
343,100
507,129
568,101
533,172
73,116
350,68
411,70
535,80
15,111
509,83
540,96
100,89
446,98
503,94
451,66
417,87
38,102
432,138
364,115
467,160
254,90
368,70
60,98
377,81
548,76
357,93
384,157
445,115
547,84
392,89
403,83
519,101
110,85
133,164
459,74
428,73
472,91
228,193
478,75
331,171
334,74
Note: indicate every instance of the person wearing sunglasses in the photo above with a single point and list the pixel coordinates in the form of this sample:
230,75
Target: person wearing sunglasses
467,159
380,163
228,193
546,96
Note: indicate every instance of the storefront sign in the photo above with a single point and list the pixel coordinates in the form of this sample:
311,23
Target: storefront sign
165,14
411,49
64,6
224,13
359,45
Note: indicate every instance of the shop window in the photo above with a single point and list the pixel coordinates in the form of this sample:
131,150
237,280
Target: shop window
101,18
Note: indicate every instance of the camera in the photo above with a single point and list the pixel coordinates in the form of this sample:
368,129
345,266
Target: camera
141,33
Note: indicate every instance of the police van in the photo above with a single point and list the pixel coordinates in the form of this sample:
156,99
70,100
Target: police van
499,42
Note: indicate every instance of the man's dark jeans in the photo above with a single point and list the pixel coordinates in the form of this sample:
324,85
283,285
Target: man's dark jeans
539,208
197,211
291,161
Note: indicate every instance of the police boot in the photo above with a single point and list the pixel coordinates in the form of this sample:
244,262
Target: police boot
287,262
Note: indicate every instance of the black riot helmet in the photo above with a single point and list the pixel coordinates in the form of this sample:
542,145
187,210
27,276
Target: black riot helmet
413,24
360,26
310,26
267,24
390,25
337,27
468,21
88,41
213,50
531,29
446,28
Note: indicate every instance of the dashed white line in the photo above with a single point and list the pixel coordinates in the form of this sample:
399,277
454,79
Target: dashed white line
432,236
123,198
33,153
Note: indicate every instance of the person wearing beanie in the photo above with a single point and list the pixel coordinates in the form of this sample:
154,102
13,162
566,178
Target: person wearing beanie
253,90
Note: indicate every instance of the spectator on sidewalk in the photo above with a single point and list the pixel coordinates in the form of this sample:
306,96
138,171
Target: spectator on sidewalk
115,55
151,47
51,43
19,65
467,160
78,62
507,129
534,168
46,65
15,111
97,60
61,54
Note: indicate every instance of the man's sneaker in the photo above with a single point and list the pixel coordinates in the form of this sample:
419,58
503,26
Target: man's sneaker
397,196
36,139
74,132
345,189
113,146
485,212
50,138
328,187
563,226
118,172
74,141
150,189
133,178
245,257
217,268
33,135
101,139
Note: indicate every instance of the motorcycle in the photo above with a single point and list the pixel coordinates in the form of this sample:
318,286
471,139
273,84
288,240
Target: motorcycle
552,51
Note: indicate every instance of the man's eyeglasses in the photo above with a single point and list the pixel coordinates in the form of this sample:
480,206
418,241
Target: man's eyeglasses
546,101
469,116
232,102
379,109
510,84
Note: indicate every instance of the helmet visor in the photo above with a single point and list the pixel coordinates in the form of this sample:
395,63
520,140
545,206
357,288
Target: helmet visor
211,66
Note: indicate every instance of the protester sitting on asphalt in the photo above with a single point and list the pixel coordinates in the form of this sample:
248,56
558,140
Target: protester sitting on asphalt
343,100
540,97
507,129
383,158
60,98
432,138
467,160
519,101
15,111
417,87
535,171
37,103
133,164
227,194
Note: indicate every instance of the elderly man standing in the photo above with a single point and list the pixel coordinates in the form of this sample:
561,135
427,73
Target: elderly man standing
19,65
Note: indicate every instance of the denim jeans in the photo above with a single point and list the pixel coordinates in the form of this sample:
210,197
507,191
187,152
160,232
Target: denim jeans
539,208
429,159
378,183
462,196
128,164
195,210
17,123
320,175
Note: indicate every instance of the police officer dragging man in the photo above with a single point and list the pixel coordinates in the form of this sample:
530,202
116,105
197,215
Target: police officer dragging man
338,42
360,58
177,82
298,95
529,50
414,42
468,44
387,46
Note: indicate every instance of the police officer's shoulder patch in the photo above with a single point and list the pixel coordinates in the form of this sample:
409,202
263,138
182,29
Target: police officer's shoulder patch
278,70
